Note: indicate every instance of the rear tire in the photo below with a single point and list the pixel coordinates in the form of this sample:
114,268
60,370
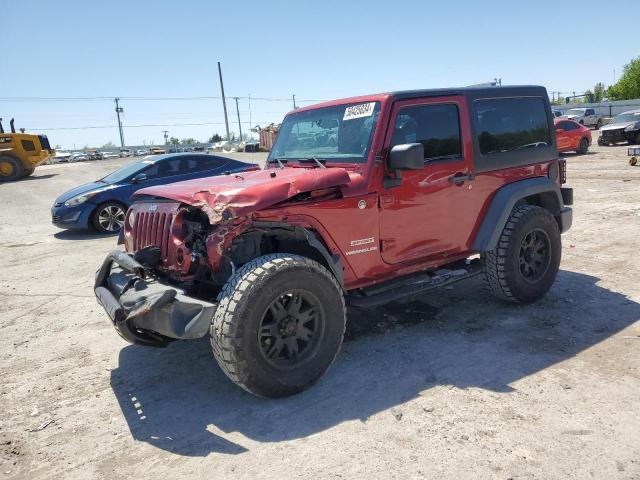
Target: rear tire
583,147
525,262
28,172
279,325
11,169
599,124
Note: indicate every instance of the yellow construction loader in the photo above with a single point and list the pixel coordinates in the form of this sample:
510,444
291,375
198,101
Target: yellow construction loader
21,153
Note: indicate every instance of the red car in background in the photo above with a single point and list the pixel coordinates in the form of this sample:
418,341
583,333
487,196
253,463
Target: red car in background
571,136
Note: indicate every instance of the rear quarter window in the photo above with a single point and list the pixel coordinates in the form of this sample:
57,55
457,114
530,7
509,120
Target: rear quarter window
508,124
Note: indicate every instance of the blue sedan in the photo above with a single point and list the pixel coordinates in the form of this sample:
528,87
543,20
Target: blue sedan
102,204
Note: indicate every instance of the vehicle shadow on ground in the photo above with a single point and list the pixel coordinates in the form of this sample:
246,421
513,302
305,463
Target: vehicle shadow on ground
31,178
87,234
178,400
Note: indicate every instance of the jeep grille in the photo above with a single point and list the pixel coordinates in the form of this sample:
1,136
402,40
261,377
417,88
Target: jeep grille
152,229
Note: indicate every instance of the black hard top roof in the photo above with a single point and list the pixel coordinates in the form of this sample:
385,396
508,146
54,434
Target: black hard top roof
474,92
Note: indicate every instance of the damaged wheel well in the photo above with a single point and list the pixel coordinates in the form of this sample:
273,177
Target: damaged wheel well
274,237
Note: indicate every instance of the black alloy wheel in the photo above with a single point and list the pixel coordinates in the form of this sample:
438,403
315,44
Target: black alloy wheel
534,257
291,329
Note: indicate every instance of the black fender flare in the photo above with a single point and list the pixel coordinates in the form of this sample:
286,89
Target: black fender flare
506,198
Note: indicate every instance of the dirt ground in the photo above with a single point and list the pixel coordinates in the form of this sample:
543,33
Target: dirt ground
452,385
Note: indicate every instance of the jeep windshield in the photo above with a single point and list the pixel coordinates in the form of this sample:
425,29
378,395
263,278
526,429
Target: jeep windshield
341,133
575,111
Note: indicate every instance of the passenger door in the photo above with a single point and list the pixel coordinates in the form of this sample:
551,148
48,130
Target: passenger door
433,211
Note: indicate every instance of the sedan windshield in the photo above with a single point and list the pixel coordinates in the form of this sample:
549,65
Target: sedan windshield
125,172
627,117
341,133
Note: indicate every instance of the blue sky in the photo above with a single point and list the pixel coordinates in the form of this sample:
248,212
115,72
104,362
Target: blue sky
273,49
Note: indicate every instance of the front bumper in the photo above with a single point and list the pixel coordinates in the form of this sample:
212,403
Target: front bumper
77,217
618,135
144,310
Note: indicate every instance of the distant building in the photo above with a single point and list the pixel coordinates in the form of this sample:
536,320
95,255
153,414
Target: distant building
268,136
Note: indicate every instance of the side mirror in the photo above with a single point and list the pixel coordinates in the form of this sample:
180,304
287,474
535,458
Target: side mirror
139,178
559,130
408,156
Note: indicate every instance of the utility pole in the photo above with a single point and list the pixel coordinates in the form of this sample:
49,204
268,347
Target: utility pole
239,124
250,124
166,136
224,102
119,110
294,102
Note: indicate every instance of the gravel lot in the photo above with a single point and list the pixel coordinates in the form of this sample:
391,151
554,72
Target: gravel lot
453,385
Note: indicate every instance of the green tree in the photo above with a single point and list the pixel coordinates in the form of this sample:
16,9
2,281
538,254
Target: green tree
174,141
598,92
215,138
108,145
628,86
188,141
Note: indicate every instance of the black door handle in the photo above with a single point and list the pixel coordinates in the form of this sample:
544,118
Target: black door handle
458,178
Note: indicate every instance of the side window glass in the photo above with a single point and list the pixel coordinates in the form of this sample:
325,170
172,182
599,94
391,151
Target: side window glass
175,167
507,124
151,172
436,127
28,145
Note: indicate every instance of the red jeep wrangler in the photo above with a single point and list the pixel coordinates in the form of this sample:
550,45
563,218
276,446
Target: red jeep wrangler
364,201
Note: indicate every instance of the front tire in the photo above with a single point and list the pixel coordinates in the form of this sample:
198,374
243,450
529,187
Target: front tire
108,217
10,169
279,325
525,262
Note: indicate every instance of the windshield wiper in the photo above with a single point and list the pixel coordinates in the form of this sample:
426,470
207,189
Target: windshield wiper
280,162
313,159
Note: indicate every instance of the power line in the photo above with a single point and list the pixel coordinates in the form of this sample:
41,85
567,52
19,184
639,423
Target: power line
135,126
79,99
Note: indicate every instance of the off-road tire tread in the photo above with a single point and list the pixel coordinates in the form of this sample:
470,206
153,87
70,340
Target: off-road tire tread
225,330
495,260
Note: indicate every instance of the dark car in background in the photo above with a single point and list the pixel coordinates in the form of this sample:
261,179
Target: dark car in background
623,128
102,204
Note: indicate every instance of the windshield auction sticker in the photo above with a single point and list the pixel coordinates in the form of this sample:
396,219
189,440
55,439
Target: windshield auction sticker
359,111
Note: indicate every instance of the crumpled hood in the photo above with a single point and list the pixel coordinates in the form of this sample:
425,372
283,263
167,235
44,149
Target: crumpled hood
245,192
616,126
